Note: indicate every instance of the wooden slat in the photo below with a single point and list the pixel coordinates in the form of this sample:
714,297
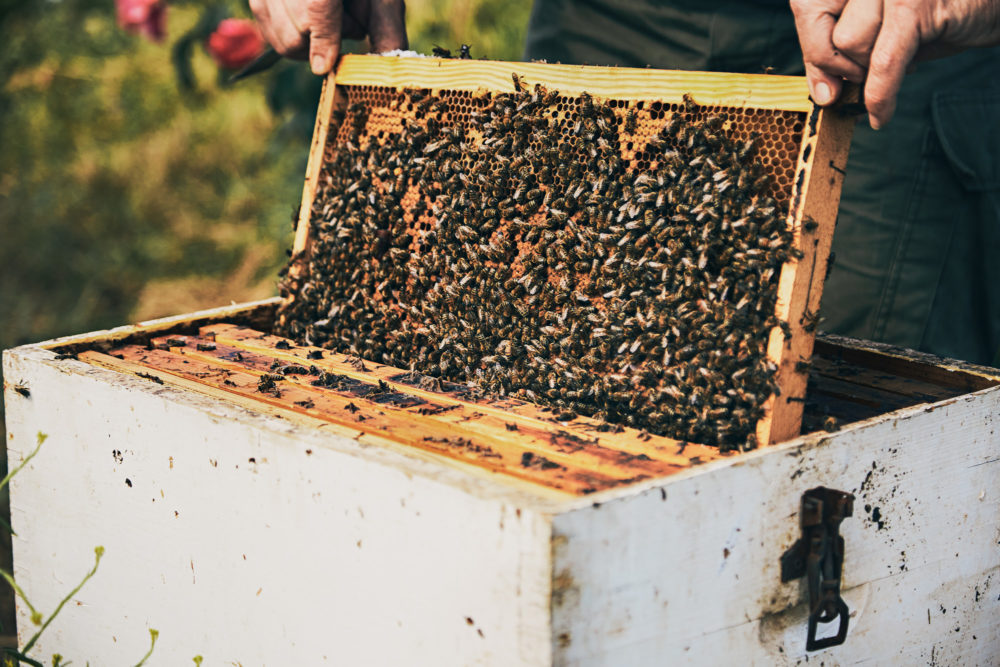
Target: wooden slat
917,390
256,313
315,164
317,152
528,444
815,200
958,375
881,401
541,438
529,415
762,91
367,417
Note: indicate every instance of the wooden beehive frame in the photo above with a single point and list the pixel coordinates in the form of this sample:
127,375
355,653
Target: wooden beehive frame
815,195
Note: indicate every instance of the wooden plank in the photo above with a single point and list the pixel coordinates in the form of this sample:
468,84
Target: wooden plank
812,217
317,152
542,437
317,148
365,417
538,455
958,375
762,91
255,313
529,415
235,528
918,390
920,552
878,400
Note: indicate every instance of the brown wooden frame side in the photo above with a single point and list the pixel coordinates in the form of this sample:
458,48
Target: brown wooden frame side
815,201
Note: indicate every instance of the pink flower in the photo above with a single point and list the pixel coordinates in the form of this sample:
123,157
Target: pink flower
235,43
147,17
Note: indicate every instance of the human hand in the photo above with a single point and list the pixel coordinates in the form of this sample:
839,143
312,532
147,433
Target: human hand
313,28
876,41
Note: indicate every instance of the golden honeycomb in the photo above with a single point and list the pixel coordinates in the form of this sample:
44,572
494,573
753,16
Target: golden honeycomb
778,132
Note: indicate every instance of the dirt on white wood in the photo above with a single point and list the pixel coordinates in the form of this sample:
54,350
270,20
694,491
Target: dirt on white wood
251,541
690,571
245,536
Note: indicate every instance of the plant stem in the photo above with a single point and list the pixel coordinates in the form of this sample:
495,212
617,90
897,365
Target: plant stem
17,655
41,438
153,634
35,616
98,552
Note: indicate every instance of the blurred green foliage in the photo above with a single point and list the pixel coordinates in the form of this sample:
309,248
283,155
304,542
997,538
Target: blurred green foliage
494,29
113,181
123,196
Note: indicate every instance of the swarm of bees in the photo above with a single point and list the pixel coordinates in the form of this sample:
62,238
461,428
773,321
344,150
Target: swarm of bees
516,251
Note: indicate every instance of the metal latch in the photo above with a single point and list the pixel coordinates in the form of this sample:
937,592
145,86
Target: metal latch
819,556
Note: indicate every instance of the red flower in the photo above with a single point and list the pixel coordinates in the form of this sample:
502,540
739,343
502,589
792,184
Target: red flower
235,43
148,17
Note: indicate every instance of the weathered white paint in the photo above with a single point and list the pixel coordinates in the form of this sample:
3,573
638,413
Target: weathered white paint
690,571
364,553
351,554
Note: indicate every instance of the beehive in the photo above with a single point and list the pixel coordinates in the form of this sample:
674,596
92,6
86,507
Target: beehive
802,150
801,146
380,517
251,530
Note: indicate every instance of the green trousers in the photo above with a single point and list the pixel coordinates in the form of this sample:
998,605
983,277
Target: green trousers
918,237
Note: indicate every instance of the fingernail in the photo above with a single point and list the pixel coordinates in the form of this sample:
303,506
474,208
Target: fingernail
874,122
822,93
318,64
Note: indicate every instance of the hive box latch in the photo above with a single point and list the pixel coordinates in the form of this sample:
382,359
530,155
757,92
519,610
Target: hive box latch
819,556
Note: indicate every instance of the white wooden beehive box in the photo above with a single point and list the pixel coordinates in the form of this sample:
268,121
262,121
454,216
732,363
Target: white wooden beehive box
383,518
257,535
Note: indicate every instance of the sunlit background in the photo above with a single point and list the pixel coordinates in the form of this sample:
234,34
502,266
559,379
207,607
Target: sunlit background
134,183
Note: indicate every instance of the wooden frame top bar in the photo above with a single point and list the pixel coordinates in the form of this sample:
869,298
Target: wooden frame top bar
761,91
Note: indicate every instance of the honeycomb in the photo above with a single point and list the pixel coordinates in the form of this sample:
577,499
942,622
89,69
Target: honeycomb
779,133
646,300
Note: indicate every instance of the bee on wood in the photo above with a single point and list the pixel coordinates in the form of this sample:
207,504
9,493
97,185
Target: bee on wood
517,82
440,52
630,122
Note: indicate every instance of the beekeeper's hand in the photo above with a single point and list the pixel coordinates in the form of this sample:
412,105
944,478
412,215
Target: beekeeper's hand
313,28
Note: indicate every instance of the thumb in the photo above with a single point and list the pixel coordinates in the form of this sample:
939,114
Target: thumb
824,88
325,19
